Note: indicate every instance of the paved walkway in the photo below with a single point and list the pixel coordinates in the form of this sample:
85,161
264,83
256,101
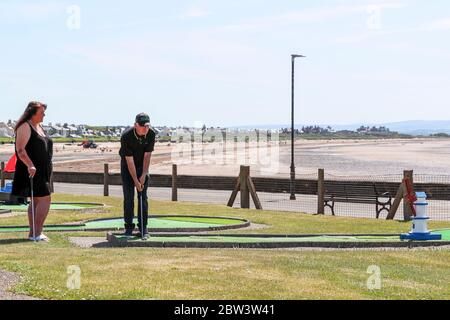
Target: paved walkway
270,201
8,280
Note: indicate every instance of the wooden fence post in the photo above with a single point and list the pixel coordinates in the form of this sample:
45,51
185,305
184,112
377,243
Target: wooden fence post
3,175
407,211
106,180
253,193
245,185
321,192
174,183
245,191
398,199
236,189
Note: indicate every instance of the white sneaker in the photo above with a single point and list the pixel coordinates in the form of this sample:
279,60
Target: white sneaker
32,239
42,237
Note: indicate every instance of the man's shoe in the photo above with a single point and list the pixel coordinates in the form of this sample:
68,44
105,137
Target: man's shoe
128,233
143,236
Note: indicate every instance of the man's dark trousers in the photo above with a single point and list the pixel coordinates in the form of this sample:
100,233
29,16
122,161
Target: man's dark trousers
129,190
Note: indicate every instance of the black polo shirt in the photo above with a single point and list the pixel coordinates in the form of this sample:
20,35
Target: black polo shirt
132,145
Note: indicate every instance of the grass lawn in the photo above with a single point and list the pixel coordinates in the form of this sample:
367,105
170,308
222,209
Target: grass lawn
146,273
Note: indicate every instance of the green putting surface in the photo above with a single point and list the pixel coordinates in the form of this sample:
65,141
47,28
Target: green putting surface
212,221
163,223
168,223
55,206
445,234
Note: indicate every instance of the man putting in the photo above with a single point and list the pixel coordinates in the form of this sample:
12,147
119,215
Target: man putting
136,146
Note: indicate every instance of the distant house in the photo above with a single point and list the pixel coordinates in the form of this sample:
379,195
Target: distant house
6,131
73,130
57,131
88,133
163,131
56,135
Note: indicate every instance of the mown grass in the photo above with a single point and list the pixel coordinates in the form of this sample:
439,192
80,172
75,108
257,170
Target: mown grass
145,273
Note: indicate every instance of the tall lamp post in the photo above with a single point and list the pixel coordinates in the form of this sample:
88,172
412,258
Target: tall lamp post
292,187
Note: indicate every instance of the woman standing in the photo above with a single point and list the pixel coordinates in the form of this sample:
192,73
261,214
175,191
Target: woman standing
34,151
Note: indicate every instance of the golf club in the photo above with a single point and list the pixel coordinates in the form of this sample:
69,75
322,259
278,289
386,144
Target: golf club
142,215
32,209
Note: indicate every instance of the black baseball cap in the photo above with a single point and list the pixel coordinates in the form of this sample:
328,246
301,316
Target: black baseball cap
143,119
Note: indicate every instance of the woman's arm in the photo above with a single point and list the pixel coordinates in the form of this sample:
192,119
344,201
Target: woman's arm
23,135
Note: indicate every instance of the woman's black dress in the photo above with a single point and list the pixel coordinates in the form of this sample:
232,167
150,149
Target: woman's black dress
40,151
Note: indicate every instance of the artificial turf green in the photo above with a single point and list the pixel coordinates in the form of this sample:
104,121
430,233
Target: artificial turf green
445,234
219,221
154,223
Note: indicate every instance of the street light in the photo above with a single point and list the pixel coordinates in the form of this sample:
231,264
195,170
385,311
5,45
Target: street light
293,56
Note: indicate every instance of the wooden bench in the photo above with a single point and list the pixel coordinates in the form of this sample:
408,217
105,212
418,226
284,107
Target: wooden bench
357,193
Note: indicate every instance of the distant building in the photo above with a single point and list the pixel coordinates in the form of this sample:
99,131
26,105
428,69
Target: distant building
6,131
66,130
57,131
73,130
163,131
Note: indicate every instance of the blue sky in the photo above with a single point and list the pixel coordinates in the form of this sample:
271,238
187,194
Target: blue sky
226,63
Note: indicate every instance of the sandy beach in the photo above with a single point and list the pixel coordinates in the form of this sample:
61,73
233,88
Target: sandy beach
337,157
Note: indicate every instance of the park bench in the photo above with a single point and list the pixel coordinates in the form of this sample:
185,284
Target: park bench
357,193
